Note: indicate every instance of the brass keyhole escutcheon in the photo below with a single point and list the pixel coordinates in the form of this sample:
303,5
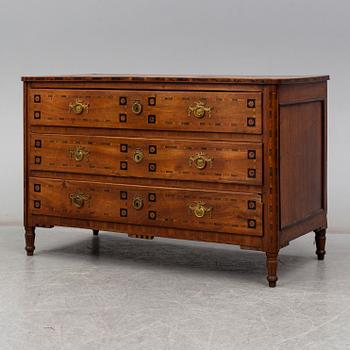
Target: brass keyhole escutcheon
199,209
78,154
199,212
199,110
136,107
201,160
137,203
138,156
78,198
78,107
200,163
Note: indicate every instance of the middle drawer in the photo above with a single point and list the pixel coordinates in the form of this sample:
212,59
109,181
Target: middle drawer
239,162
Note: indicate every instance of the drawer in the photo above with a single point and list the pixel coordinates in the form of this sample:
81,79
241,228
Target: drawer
238,112
218,211
150,158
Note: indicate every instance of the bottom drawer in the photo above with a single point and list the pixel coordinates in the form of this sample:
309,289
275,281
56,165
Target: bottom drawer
216,211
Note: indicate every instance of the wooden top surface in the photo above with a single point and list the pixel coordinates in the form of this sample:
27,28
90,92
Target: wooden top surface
211,79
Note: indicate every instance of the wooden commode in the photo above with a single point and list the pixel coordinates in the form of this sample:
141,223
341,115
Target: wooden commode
237,160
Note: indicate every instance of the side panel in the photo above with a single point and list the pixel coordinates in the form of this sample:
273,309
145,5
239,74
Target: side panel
302,159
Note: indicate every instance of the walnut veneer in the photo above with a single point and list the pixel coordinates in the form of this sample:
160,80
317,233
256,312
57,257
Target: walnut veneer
237,160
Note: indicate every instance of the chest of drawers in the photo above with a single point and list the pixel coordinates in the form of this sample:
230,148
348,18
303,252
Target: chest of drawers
236,160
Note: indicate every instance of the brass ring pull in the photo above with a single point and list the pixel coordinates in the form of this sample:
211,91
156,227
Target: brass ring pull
78,199
200,161
78,154
136,107
78,107
137,203
199,110
200,209
138,156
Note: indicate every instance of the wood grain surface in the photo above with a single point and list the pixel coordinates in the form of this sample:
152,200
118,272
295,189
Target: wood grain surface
161,158
229,112
168,207
229,159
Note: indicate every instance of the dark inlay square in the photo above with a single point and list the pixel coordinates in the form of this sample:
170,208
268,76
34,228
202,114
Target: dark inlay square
37,98
123,165
37,204
37,114
252,173
251,154
251,205
152,197
152,215
251,223
152,149
37,160
251,121
123,100
37,143
123,195
124,148
151,101
37,188
151,119
123,212
152,167
122,118
251,103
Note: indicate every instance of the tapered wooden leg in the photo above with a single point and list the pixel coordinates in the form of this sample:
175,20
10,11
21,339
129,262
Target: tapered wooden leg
271,264
320,238
95,232
30,239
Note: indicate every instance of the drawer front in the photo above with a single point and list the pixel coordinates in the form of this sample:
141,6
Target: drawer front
238,112
218,211
151,158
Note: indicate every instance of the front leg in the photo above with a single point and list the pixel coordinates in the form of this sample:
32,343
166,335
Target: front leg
30,239
320,238
271,264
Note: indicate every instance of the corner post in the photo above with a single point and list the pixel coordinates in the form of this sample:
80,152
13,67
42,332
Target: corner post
271,265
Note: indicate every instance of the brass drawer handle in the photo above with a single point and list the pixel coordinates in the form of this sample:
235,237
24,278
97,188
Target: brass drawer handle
78,107
79,153
136,107
78,198
199,110
138,156
200,161
200,209
137,203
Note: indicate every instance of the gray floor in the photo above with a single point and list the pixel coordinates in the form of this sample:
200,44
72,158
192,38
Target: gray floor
113,292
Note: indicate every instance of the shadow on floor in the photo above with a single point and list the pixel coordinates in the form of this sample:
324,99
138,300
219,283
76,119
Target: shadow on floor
109,249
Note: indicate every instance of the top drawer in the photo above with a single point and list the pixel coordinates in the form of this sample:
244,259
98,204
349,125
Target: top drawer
236,112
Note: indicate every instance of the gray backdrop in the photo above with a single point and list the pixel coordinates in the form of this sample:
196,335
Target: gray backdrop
175,37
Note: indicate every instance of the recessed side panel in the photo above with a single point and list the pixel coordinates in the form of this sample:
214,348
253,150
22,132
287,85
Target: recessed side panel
301,161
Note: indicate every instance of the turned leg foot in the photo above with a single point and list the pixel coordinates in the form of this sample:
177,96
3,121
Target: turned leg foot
320,238
271,265
95,232
30,239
